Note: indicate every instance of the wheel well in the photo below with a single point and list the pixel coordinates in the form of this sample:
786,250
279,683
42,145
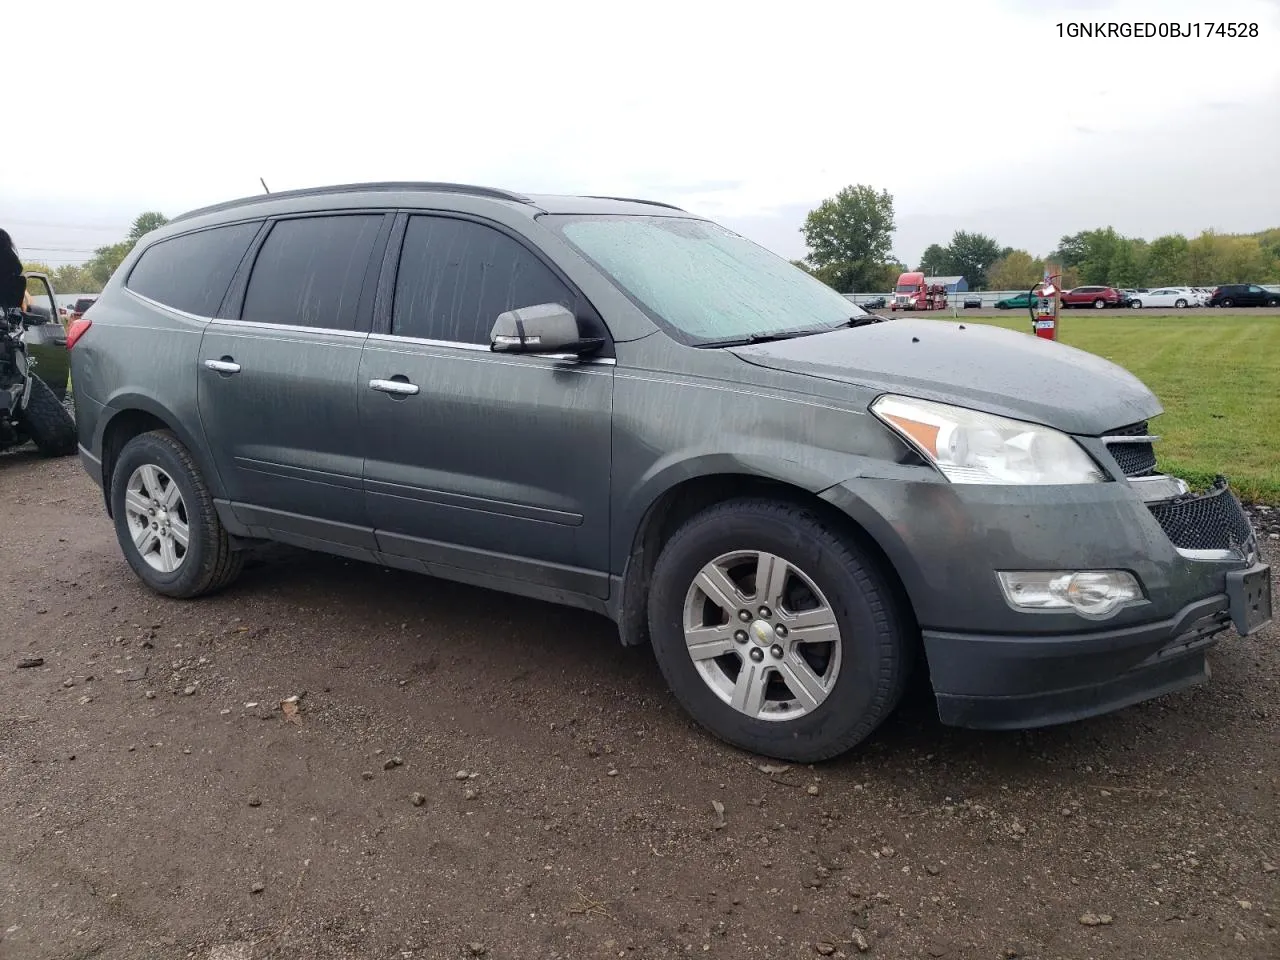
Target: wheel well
123,427
666,515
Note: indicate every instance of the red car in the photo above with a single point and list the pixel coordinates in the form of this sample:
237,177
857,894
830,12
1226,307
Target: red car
1097,297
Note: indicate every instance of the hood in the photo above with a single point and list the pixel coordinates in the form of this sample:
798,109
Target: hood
971,365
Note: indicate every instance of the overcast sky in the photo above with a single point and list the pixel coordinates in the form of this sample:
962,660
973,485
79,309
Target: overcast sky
973,114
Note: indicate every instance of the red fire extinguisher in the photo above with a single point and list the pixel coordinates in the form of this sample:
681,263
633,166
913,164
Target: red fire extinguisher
1044,302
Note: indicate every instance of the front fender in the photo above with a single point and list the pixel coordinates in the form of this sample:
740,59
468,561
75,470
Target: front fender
793,465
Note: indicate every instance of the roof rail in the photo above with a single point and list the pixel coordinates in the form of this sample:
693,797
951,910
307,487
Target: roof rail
652,203
385,186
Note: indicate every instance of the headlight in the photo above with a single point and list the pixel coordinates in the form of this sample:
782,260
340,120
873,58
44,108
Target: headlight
972,447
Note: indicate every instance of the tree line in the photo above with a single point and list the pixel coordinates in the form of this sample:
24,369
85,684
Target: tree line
92,275
850,237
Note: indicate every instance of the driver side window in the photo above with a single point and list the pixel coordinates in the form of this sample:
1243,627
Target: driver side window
455,277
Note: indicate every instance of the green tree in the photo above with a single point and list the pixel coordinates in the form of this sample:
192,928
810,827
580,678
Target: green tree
1166,260
74,278
971,255
105,260
1016,270
849,237
144,223
1072,250
936,261
1128,266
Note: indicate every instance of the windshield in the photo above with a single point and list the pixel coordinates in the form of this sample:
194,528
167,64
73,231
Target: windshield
706,282
906,288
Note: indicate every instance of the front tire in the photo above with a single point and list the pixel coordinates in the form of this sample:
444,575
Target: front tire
166,522
1099,304
1135,304
1227,303
51,428
802,667
1180,304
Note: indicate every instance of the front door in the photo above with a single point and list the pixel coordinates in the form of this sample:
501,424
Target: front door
477,460
278,375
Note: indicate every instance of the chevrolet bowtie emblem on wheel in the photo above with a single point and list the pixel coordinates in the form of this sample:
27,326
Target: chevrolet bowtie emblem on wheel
763,634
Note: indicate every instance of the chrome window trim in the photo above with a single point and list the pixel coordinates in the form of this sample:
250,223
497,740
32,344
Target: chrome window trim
287,327
393,338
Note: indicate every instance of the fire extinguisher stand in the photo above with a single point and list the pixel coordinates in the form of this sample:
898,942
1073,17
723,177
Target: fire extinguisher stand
1045,301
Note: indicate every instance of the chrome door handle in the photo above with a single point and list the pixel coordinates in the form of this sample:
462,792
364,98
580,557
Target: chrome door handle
401,388
223,366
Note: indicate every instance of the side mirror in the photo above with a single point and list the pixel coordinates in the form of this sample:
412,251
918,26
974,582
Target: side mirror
545,328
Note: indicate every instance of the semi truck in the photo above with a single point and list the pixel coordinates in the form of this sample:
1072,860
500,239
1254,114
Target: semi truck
913,293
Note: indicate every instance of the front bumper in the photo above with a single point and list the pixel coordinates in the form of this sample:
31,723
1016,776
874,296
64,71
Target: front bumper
1012,682
996,666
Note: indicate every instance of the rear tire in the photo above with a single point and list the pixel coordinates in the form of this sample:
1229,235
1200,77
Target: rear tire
1099,304
855,676
1180,304
1135,304
1273,303
51,428
1227,303
157,498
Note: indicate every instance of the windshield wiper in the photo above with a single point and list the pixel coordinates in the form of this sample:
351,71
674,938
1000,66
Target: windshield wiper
764,337
864,320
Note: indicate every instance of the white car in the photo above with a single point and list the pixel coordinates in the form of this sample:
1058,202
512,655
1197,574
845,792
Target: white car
1176,297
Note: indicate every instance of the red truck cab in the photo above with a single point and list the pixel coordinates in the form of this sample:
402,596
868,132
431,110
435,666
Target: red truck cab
913,293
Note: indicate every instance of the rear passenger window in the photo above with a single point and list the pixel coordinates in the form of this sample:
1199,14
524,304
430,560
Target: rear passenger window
310,272
192,272
456,276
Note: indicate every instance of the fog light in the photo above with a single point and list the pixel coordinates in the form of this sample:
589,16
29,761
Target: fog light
1090,593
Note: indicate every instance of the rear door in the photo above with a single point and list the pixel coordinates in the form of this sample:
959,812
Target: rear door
277,378
488,462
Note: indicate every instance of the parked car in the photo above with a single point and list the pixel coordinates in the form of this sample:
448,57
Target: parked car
1243,295
972,302
82,304
875,303
1165,297
1018,300
620,406
1096,297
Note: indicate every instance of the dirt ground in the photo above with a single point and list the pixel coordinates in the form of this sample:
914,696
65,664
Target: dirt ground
469,774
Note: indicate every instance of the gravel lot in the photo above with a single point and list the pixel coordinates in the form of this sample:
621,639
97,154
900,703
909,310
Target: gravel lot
469,774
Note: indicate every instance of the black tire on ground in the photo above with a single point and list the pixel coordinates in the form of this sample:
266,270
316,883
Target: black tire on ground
1227,303
210,563
1099,304
1180,304
1273,303
1135,304
51,428
877,642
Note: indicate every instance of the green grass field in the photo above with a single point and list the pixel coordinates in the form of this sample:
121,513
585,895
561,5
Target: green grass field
1218,378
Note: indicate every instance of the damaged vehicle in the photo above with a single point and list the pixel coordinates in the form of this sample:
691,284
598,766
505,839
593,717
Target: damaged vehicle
620,406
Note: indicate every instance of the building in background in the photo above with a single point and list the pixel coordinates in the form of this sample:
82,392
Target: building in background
950,284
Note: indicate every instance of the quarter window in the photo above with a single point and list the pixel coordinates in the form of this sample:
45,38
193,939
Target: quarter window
456,276
191,272
310,272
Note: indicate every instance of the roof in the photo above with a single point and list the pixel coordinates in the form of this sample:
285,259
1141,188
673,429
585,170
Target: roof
536,203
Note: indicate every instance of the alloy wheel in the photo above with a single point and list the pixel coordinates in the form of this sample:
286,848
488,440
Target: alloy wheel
157,518
762,635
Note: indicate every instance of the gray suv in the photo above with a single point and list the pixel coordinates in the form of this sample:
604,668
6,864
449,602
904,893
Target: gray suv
617,405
